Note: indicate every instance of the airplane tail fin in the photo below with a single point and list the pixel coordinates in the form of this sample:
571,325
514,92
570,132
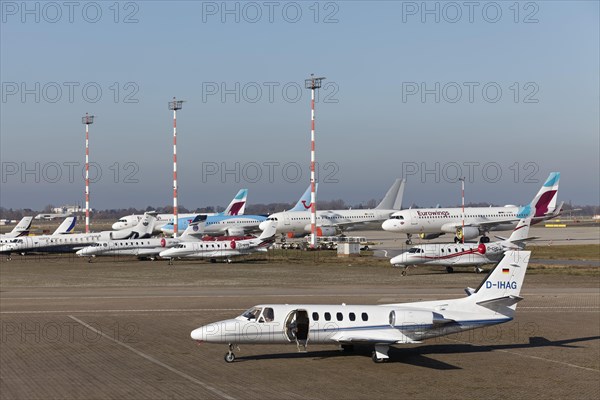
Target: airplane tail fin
500,290
393,197
268,235
238,204
67,226
22,228
304,203
145,227
544,202
195,229
521,231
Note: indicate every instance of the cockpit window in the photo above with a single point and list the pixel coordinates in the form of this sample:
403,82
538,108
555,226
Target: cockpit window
415,250
252,314
397,217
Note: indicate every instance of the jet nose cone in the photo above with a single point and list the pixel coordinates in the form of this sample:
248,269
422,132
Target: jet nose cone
80,252
263,225
389,225
198,334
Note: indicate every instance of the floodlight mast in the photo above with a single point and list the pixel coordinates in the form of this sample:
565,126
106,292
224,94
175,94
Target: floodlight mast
175,105
87,121
313,84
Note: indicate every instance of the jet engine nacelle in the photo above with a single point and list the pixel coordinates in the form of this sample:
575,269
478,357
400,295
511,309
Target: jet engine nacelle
293,235
429,236
235,231
469,232
408,318
326,231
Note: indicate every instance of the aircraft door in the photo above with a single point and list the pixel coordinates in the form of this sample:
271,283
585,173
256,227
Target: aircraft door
297,327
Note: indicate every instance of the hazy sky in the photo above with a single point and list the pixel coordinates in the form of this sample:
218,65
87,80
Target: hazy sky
501,92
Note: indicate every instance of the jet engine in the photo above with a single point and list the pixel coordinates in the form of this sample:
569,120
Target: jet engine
429,236
468,233
235,231
326,231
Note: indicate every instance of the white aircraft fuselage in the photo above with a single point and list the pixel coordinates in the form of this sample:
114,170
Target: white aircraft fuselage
130,247
494,302
328,221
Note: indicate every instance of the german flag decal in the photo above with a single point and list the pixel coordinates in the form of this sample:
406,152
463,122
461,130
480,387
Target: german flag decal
505,270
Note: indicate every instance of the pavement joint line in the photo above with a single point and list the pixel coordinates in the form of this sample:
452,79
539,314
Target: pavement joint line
155,361
527,356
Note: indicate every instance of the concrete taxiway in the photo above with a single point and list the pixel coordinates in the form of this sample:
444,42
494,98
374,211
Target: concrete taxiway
120,329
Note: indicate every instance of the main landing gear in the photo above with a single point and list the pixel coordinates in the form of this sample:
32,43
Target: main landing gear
380,354
229,356
484,239
449,270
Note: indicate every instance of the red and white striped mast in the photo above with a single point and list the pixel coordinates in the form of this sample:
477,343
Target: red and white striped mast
175,105
462,183
313,83
87,121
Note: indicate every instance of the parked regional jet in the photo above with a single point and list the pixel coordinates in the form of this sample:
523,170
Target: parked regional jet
21,229
69,243
452,255
296,223
430,223
381,326
141,248
236,207
67,226
214,249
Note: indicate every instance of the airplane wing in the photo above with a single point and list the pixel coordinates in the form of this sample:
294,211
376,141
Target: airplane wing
374,337
483,224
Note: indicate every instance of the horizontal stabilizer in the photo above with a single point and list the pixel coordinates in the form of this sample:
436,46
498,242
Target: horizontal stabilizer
500,302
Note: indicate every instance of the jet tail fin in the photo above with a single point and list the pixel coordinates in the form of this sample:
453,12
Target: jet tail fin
195,228
268,235
393,197
238,204
500,290
22,228
304,203
544,202
67,226
145,227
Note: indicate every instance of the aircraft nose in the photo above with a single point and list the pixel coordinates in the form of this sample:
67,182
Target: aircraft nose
80,252
263,225
198,334
389,225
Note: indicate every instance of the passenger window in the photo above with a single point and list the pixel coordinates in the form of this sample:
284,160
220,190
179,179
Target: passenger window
339,316
327,316
352,316
315,316
364,316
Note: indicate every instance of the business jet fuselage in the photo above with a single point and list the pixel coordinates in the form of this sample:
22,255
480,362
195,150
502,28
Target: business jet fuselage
380,326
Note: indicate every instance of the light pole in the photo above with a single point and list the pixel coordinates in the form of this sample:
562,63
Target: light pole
313,83
87,121
175,105
462,183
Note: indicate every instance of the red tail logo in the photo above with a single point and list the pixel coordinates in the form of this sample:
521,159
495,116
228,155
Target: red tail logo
307,206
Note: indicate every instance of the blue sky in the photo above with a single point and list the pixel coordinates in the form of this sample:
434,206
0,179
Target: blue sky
514,95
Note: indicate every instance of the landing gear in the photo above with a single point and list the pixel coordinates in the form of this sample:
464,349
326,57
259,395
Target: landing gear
478,270
408,239
347,348
170,261
484,239
228,261
449,270
213,260
380,354
229,356
405,270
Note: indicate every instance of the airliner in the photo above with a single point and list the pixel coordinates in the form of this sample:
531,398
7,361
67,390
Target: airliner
21,229
214,249
380,326
72,242
236,207
234,225
296,223
453,255
430,223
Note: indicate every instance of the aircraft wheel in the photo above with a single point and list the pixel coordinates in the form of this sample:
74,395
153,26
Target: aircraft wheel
478,270
229,261
403,273
229,357
449,270
485,239
408,242
376,359
213,260
347,348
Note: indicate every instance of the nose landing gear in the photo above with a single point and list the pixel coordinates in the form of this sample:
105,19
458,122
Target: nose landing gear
230,356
